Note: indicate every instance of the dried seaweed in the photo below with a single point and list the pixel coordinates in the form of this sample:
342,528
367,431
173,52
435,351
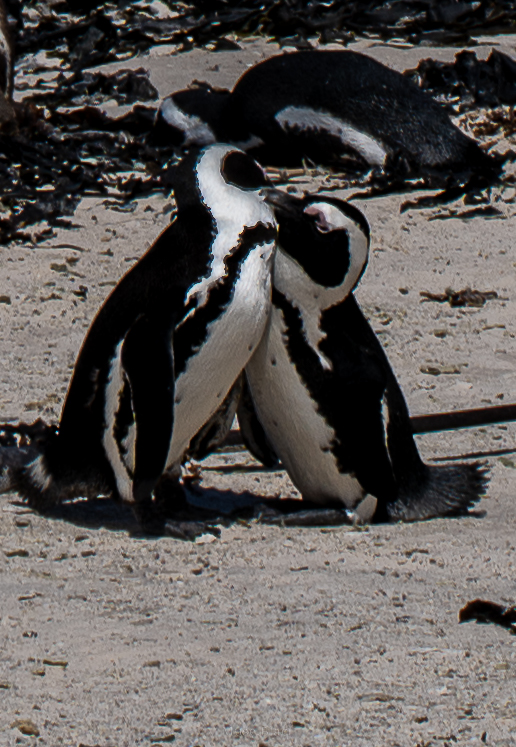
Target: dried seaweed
102,31
466,297
56,156
486,211
469,82
60,147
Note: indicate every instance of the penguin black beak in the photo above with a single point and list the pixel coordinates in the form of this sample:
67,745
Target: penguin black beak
282,202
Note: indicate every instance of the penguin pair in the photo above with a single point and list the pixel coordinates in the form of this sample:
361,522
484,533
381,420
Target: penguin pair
321,394
332,107
158,367
165,348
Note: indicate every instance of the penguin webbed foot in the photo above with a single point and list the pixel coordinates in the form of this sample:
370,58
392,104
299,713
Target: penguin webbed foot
296,513
184,530
450,490
182,527
168,513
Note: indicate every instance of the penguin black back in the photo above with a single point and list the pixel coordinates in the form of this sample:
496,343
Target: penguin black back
325,102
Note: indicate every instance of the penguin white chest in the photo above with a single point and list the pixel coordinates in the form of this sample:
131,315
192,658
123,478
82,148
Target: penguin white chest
298,432
230,340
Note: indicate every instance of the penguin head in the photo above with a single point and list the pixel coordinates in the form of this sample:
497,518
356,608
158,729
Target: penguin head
228,182
190,117
328,238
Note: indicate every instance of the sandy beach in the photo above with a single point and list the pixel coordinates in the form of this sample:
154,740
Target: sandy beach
267,636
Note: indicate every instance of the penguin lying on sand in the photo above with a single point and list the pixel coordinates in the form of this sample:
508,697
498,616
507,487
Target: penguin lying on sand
165,348
326,106
325,398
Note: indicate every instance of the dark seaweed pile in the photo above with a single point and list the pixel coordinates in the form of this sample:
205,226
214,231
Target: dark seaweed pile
61,147
56,157
101,31
468,82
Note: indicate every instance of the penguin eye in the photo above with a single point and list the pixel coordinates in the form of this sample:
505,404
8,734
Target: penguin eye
320,218
241,171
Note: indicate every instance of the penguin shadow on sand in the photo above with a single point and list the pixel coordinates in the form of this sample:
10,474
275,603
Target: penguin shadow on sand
206,510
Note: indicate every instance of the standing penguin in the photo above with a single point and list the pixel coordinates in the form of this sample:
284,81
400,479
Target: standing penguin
167,345
327,106
322,388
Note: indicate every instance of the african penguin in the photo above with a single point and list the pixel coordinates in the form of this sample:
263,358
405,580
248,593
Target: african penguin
321,385
168,344
329,106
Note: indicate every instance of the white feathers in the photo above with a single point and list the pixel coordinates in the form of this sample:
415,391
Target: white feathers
294,426
291,280
114,389
209,375
233,332
309,297
195,130
358,242
305,118
233,210
212,371
38,473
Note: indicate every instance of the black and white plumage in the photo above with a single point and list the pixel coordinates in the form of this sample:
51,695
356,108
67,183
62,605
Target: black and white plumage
168,344
327,105
194,116
322,387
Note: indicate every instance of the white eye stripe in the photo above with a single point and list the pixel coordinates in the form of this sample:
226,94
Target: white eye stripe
194,128
320,218
330,218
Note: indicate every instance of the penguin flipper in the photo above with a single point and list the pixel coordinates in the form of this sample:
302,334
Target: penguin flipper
423,491
213,433
253,433
147,360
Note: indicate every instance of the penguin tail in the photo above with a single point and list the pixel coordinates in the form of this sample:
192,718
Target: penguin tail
31,464
22,457
444,490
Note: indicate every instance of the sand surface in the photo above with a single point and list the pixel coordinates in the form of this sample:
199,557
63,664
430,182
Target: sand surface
267,636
